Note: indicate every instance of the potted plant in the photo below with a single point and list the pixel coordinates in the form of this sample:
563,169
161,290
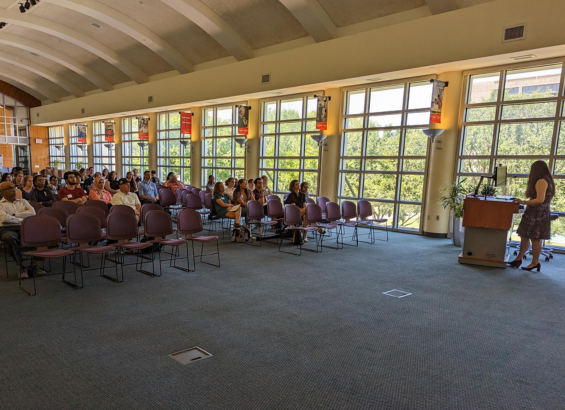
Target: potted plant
454,194
488,190
56,163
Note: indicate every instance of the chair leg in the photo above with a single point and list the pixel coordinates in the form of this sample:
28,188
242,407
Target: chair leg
209,254
33,281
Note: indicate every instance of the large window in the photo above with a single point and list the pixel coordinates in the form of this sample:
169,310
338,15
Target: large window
104,151
79,151
222,156
287,150
135,153
57,147
12,129
384,151
515,117
173,152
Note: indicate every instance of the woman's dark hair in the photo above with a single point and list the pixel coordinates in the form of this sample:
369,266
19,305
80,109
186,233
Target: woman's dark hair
169,175
112,176
210,177
302,185
16,169
539,171
5,176
229,180
241,181
217,188
257,180
106,171
35,178
291,186
250,180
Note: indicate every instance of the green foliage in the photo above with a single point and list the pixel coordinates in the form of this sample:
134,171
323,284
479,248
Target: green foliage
56,162
454,194
488,190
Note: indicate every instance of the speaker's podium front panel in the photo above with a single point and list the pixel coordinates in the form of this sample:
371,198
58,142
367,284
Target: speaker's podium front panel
486,222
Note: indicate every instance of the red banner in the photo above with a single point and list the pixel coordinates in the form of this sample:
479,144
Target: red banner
81,133
322,113
109,136
186,123
437,101
243,119
143,127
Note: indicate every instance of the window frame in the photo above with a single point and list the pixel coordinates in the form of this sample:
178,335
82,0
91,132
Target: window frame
164,168
74,148
129,137
98,145
56,137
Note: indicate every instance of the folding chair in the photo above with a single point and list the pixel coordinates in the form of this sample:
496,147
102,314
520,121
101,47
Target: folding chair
190,223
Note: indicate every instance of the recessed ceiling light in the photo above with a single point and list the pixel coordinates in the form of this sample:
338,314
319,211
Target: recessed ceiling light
95,25
524,57
375,79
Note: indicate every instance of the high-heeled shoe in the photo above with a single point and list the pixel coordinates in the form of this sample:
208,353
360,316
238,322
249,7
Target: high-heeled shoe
537,267
514,264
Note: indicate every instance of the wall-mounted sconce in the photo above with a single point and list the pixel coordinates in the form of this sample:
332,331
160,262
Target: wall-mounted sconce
319,138
184,143
81,146
242,141
433,132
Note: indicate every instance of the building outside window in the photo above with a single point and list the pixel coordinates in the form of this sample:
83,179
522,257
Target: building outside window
79,151
57,147
222,156
287,150
104,151
173,152
515,129
135,152
384,152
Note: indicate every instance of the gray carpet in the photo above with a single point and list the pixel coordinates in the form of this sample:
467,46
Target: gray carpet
287,332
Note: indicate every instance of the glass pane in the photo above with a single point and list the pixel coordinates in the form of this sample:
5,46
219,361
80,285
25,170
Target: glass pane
383,210
558,205
389,99
289,145
209,117
289,163
311,164
284,179
223,147
532,83
475,166
349,185
559,168
269,129
351,164
356,102
311,148
518,166
312,179
394,120
478,139
383,143
409,216
311,126
514,187
418,118
480,114
270,112
290,127
312,108
412,187
223,163
269,146
420,96
352,142
522,111
224,116
533,138
415,143
561,140
414,165
224,131
354,123
291,110
174,149
379,186
268,163
483,88
381,164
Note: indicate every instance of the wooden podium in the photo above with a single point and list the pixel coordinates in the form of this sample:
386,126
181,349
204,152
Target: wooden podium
487,222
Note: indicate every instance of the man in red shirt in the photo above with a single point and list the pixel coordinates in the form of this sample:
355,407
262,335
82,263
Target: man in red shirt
72,192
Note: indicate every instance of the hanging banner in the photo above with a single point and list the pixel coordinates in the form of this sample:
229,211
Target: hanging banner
186,123
243,119
81,133
143,126
437,101
109,136
322,112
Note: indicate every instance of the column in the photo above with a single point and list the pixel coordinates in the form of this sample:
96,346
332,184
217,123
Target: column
152,143
118,146
329,167
67,142
90,143
253,140
196,148
442,157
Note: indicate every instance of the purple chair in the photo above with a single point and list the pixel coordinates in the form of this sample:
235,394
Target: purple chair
285,196
168,199
367,218
202,197
275,210
97,204
349,214
322,201
59,214
123,209
145,208
273,197
314,216
41,232
70,207
180,192
196,191
83,229
158,225
190,223
185,192
293,222
193,201
255,215
36,205
97,213
310,201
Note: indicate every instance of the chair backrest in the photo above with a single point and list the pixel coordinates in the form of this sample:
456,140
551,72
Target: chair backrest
292,215
313,213
322,201
97,204
83,228
364,209
348,210
122,209
36,205
189,222
203,197
167,197
145,208
57,197
158,186
40,231
274,197
59,214
275,208
285,196
332,211
158,224
68,206
94,211
310,201
120,226
183,195
193,202
208,201
196,190
180,192
255,210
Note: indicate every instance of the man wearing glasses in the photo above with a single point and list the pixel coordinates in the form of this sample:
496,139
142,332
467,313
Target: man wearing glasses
12,213
72,192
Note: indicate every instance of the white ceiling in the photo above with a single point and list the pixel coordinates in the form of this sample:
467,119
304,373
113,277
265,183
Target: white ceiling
139,39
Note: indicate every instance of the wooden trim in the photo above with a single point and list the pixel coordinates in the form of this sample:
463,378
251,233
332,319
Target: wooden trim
17,94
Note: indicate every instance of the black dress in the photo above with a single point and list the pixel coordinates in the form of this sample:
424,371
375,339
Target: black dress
536,222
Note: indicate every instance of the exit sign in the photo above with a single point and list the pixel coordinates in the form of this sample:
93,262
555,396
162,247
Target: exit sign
38,141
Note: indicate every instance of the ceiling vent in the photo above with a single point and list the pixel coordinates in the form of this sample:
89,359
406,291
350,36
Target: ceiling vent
82,110
266,79
514,33
150,99
96,25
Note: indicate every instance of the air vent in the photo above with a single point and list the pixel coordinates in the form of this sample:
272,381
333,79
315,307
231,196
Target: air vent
96,25
37,114
266,79
82,110
150,99
514,33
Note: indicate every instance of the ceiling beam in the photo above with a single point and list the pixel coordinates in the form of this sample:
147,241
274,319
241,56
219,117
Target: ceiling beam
214,25
129,26
42,71
33,93
442,6
31,84
313,18
58,57
74,37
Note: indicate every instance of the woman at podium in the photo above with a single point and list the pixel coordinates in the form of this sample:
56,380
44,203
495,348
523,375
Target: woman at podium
536,222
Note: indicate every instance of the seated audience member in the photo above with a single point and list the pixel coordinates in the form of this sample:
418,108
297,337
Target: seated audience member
173,183
105,173
25,190
98,193
43,173
78,178
6,177
210,185
125,197
40,193
136,176
259,192
112,185
72,191
229,186
19,179
12,213
242,195
131,181
222,205
15,170
266,186
154,178
148,190
53,184
304,189
88,179
297,198
251,184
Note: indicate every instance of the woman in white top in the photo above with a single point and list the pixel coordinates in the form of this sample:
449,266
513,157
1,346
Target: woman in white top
230,187
265,186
